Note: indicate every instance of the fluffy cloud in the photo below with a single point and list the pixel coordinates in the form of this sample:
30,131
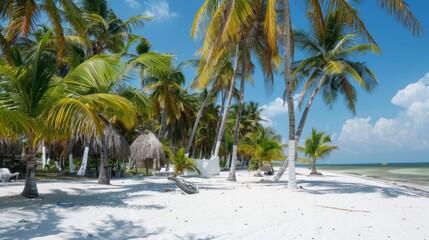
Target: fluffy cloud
159,10
407,131
133,3
273,109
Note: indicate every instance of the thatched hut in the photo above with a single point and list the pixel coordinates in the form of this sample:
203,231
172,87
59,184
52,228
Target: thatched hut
147,150
9,147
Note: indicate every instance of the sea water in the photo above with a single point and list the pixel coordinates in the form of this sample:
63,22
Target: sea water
409,174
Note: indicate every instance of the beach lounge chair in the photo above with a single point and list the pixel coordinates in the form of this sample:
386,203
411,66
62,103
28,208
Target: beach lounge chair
6,175
163,172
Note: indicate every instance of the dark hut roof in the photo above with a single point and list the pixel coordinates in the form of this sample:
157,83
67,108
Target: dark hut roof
146,146
117,145
9,147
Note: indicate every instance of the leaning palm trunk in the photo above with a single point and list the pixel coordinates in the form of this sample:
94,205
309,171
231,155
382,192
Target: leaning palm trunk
231,176
200,113
288,58
30,187
227,106
218,123
307,109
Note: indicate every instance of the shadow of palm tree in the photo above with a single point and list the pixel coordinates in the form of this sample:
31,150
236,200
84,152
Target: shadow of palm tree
327,187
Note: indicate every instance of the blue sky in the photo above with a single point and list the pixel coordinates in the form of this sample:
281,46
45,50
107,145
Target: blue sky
391,124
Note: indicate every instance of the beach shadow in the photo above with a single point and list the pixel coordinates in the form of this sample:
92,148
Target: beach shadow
46,219
327,187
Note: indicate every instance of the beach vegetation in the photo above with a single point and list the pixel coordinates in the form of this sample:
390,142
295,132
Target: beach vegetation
316,147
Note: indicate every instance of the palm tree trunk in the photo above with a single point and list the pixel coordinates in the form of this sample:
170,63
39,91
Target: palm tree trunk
104,171
228,104
70,154
30,187
231,176
218,123
313,167
163,123
200,113
307,109
288,58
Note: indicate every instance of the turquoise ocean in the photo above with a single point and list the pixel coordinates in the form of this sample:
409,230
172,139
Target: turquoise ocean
414,175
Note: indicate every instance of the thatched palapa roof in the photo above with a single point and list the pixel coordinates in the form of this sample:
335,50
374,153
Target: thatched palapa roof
146,146
9,147
117,145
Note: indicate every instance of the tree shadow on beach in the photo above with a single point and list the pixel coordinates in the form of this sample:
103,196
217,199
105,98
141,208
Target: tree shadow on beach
30,218
327,187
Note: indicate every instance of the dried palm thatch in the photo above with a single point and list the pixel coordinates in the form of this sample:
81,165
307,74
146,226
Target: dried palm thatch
117,145
147,146
9,147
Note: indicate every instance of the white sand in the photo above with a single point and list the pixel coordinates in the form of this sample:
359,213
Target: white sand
329,207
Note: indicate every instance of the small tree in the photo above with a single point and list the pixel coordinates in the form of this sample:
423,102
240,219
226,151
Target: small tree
181,162
316,147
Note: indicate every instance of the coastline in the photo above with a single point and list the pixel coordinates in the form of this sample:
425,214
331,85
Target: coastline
333,206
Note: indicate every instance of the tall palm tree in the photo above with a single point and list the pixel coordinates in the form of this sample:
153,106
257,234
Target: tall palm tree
227,26
105,30
27,85
330,66
398,8
256,40
316,146
22,16
87,104
165,88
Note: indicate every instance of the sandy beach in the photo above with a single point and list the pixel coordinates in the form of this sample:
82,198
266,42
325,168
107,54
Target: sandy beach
332,206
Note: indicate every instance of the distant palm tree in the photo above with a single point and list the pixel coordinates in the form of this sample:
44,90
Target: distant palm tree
262,146
316,147
107,31
164,89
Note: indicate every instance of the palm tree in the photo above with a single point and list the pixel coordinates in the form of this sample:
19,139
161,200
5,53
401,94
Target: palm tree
87,104
22,16
398,8
330,61
181,162
27,84
165,88
256,39
316,147
105,30
262,146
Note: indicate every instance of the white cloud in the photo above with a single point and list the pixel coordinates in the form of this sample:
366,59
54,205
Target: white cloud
133,3
159,10
273,109
407,131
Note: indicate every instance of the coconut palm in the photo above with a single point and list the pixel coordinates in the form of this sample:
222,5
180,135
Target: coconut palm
105,30
398,8
227,28
27,85
262,147
165,87
181,162
316,146
88,105
22,16
330,67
